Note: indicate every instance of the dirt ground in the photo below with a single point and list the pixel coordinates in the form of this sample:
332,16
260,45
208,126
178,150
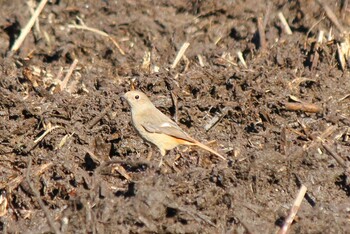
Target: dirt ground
71,162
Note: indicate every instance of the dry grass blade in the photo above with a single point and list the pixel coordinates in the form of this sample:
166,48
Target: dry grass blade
284,23
146,63
262,37
341,57
97,31
216,119
64,83
47,131
334,155
39,200
227,57
297,81
313,26
343,50
15,182
343,98
267,14
31,6
3,203
293,210
241,59
121,170
332,16
200,60
320,37
99,116
64,140
180,54
28,27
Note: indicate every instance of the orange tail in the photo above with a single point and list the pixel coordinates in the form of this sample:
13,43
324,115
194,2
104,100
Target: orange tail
209,149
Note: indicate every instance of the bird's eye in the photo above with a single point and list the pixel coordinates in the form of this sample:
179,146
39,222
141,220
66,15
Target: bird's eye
137,97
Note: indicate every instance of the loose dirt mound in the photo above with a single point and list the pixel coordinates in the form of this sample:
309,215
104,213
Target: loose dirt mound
70,160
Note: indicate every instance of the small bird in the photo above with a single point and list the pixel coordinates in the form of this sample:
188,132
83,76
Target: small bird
157,128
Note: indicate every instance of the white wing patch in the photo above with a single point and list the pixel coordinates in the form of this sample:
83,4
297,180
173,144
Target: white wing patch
166,124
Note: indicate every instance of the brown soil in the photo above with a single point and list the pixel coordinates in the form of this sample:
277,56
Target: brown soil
93,174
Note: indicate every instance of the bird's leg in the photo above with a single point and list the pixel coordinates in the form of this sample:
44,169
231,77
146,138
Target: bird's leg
163,153
177,157
161,161
170,160
150,154
165,164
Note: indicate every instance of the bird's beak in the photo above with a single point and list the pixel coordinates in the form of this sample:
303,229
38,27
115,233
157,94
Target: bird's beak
122,98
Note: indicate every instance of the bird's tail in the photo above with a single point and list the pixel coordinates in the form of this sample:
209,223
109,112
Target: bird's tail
210,150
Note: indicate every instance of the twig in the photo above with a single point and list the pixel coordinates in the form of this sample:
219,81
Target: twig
99,116
294,84
27,28
334,155
262,38
3,203
341,56
313,26
343,98
216,119
267,14
45,133
187,63
303,106
200,60
127,162
60,73
120,161
217,40
31,5
97,31
196,214
344,8
40,201
93,156
121,170
174,99
64,82
146,63
315,49
284,141
226,56
240,57
331,16
321,138
16,181
64,140
284,23
330,34
33,144
293,210
320,37
180,54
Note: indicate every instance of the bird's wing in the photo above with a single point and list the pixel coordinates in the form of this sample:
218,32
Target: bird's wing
162,124
171,129
167,127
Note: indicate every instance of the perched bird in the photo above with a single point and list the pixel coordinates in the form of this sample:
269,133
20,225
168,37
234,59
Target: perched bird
157,128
